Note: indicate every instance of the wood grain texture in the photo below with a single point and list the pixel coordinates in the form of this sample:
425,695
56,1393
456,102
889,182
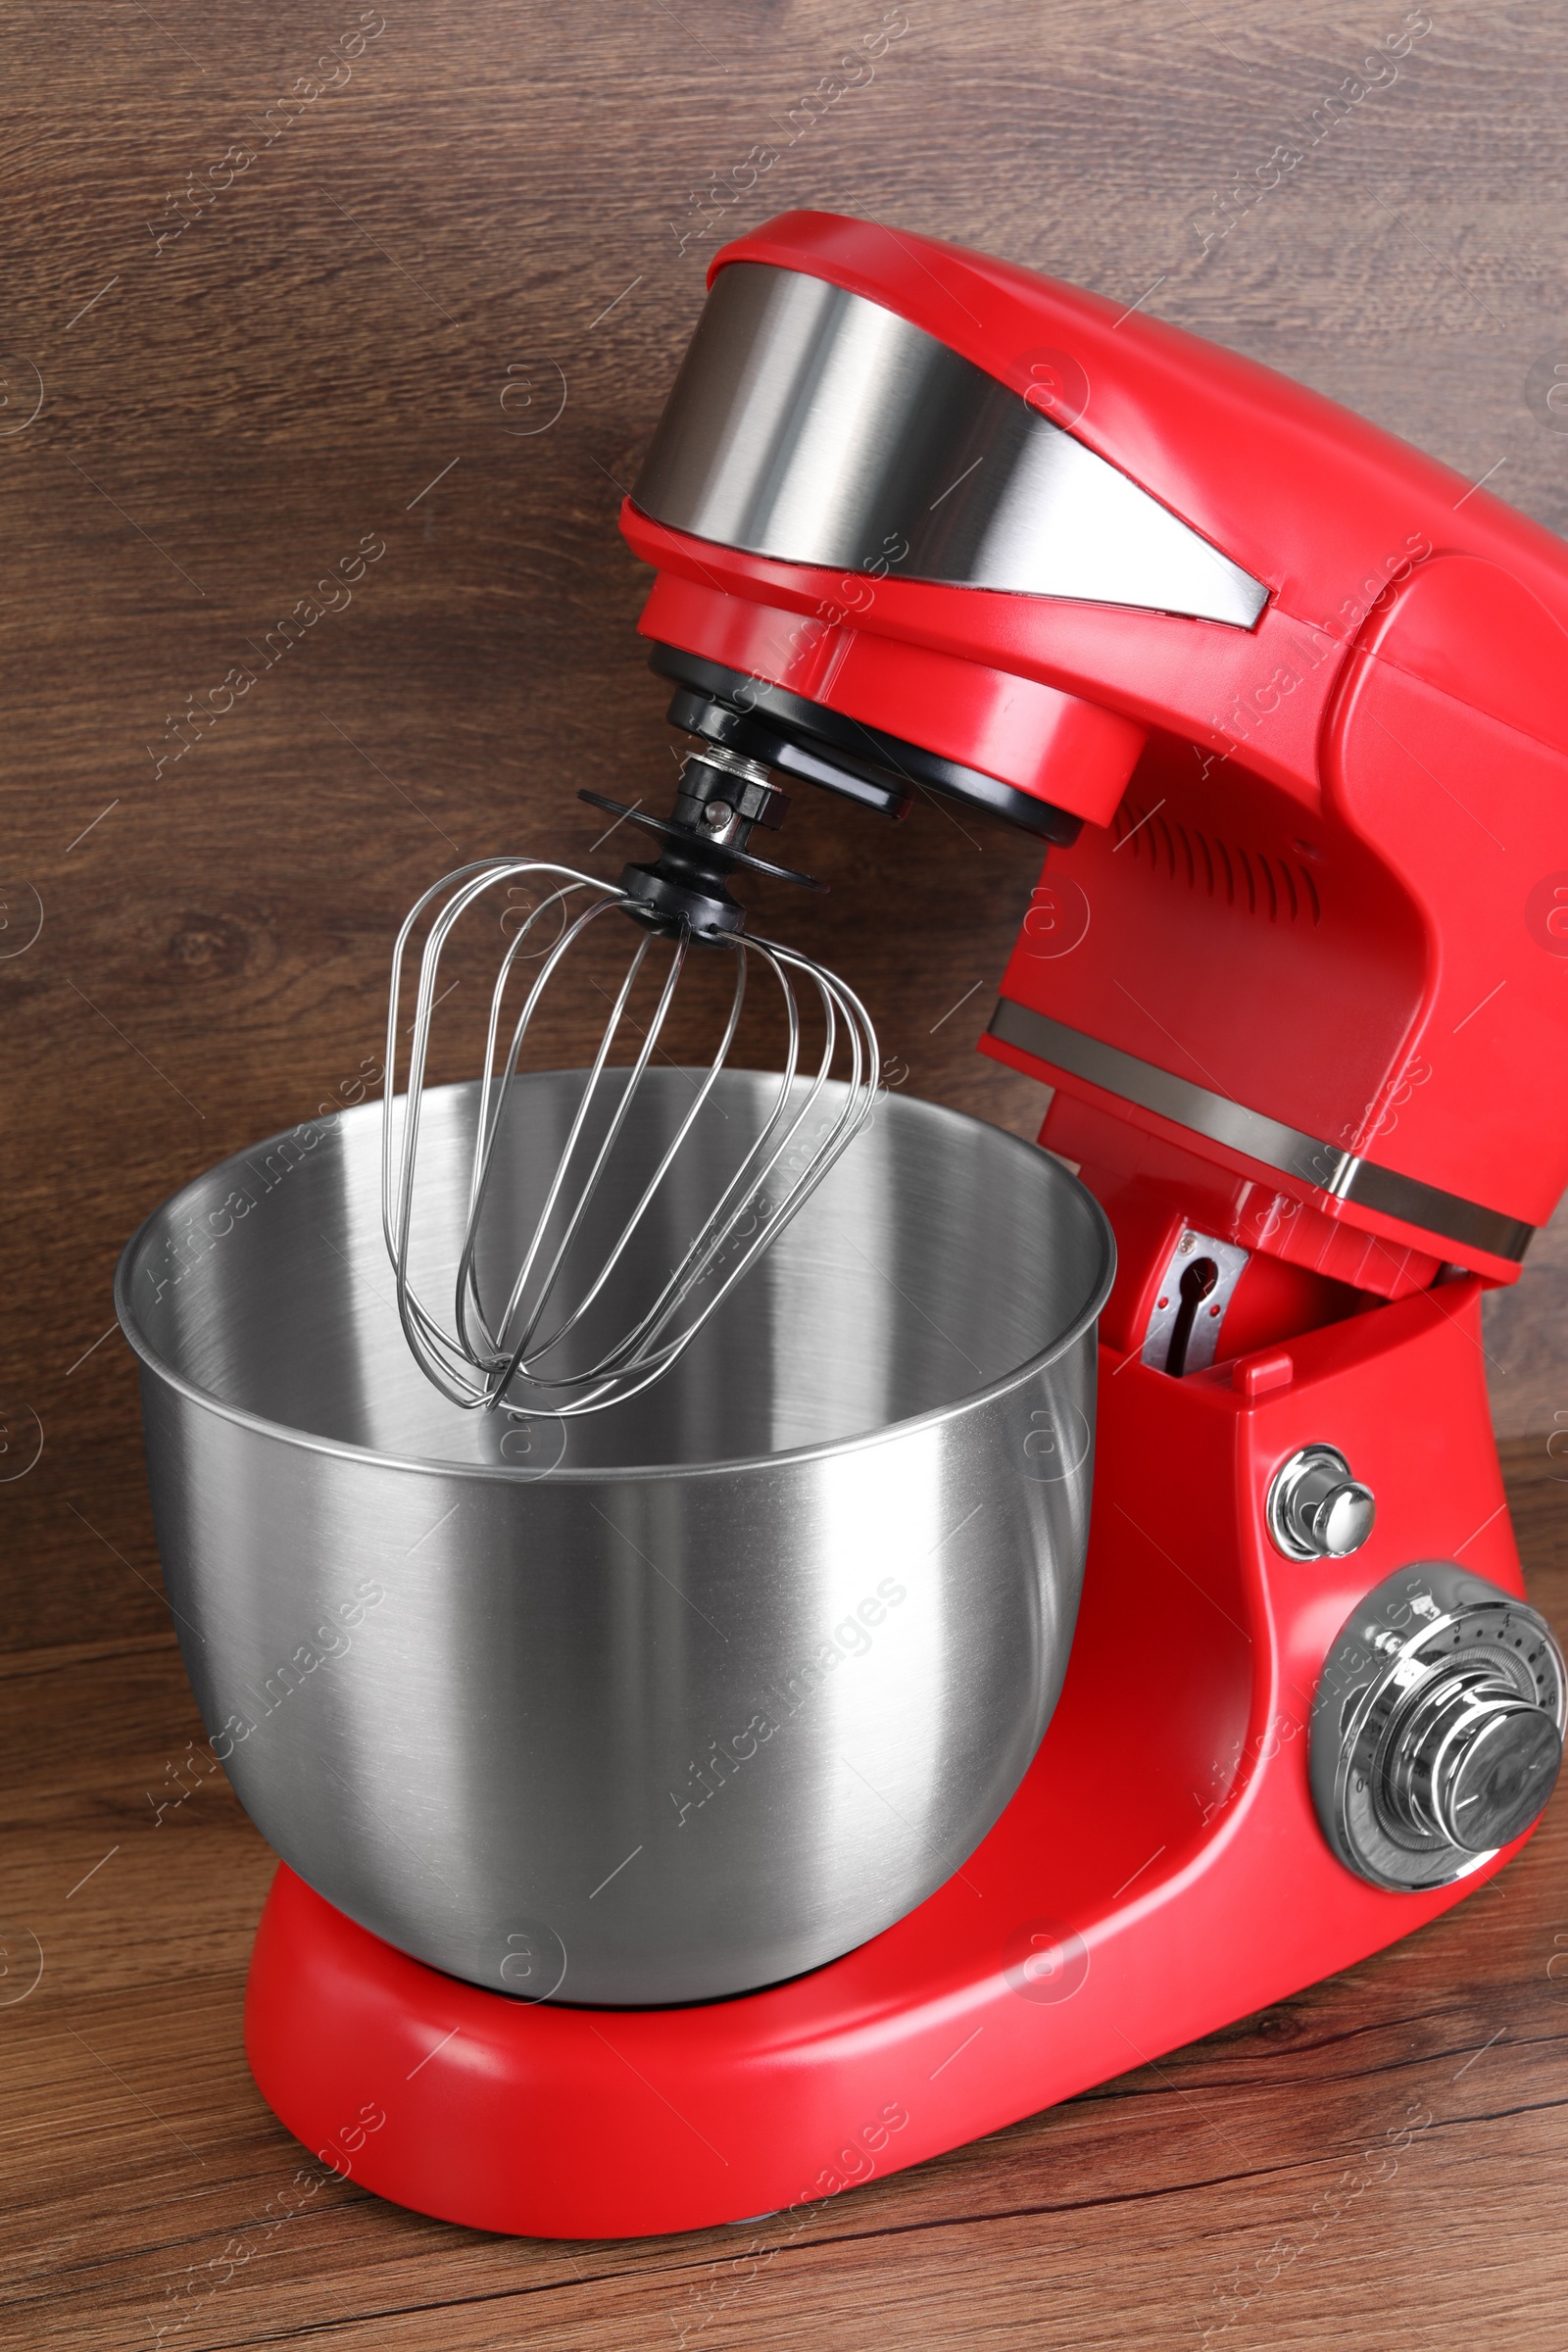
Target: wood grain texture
495,205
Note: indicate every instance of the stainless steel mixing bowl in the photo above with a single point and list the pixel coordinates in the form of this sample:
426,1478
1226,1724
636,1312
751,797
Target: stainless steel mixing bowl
677,1699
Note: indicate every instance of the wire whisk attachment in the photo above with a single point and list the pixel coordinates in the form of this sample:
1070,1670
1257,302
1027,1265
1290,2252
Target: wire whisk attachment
557,1306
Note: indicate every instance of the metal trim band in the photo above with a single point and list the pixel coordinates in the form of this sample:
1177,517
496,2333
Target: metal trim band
815,426
1286,1148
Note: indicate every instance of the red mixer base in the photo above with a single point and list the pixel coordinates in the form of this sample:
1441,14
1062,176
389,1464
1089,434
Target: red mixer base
1159,1872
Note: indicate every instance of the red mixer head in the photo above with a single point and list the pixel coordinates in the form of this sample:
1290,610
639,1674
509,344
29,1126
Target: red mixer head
1287,699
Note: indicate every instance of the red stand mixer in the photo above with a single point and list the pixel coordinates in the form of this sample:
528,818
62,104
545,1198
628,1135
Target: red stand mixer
1288,703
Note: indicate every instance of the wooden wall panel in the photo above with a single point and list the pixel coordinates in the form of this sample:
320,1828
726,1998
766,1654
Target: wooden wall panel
501,202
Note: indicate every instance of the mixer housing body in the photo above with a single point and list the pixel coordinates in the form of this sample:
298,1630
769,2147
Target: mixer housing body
1295,979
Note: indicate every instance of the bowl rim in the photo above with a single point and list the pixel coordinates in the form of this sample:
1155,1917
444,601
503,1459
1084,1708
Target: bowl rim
505,1474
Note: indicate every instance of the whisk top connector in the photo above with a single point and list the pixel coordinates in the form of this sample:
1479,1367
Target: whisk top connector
722,796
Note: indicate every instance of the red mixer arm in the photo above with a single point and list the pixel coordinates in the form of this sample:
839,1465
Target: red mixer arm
1388,978
1298,491
1314,932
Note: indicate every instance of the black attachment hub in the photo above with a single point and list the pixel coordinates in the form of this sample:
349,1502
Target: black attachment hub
722,797
805,741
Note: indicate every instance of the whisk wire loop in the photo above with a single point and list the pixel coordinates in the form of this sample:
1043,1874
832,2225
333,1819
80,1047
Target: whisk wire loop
518,1362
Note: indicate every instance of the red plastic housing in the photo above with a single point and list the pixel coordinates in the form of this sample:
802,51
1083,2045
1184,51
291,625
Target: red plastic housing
1324,877
1325,874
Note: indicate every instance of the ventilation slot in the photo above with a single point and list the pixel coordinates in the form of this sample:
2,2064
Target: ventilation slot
1278,889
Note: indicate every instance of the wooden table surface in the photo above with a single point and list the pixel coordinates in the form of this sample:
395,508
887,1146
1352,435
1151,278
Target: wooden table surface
436,311
1241,2187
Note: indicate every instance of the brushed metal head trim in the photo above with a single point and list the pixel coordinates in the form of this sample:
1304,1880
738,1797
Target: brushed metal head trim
812,425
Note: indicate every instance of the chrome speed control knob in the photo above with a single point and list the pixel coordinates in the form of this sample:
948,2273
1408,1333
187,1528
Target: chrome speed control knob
1472,1760
1438,1727
1316,1510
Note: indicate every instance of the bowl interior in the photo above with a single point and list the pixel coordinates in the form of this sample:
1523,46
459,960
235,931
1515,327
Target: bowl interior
938,1257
